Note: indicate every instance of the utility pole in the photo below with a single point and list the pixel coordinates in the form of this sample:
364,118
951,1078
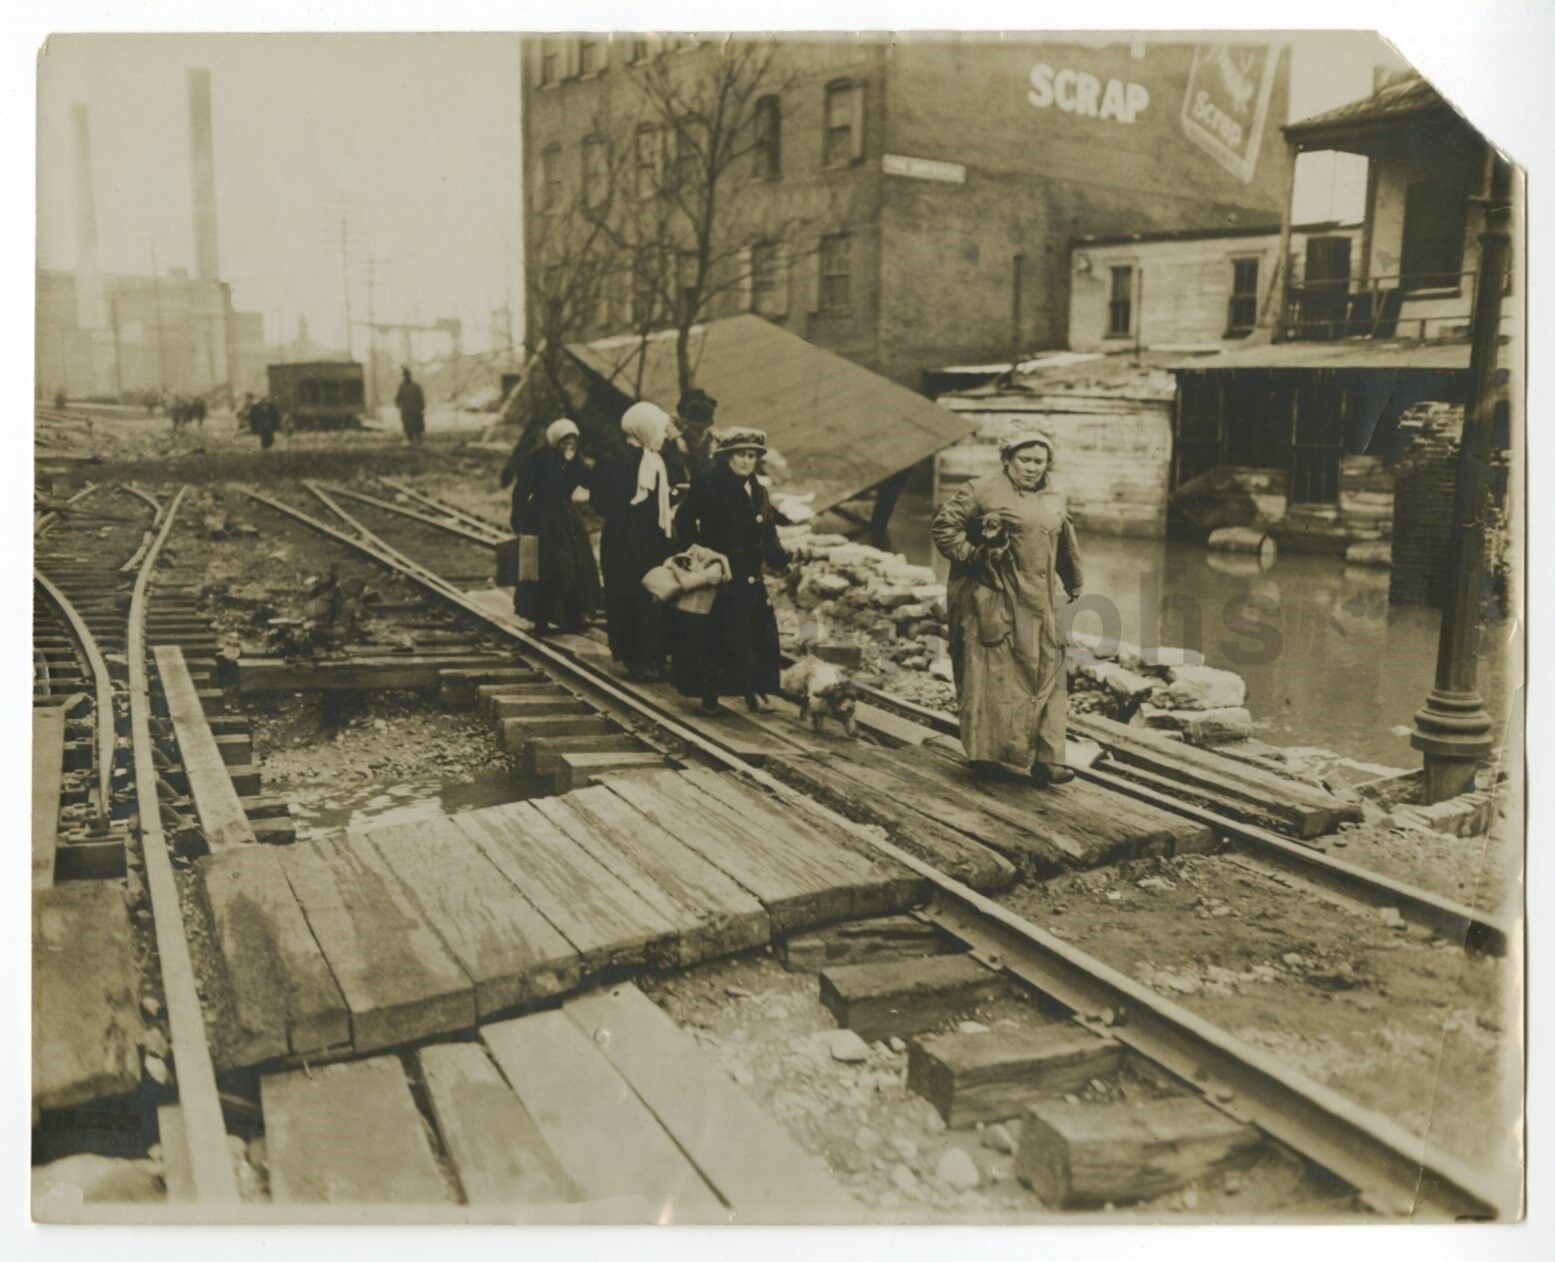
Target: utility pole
372,338
1015,320
345,278
118,352
1452,730
156,295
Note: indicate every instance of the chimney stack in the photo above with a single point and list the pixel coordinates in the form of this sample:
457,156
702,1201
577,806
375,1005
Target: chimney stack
202,162
89,280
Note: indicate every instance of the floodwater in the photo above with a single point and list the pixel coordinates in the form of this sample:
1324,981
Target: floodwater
411,801
1328,662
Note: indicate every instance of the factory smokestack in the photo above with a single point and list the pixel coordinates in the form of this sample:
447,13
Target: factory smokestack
202,162
89,281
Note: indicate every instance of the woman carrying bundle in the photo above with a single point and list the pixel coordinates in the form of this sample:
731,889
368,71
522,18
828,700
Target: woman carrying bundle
631,493
544,480
732,650
1011,544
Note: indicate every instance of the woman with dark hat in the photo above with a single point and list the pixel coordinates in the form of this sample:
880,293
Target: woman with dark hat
631,493
1010,544
543,484
690,451
733,649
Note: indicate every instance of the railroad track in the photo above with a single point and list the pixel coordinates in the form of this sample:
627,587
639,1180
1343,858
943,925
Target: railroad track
1392,1169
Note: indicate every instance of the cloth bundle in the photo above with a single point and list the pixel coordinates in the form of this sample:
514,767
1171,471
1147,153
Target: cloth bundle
689,580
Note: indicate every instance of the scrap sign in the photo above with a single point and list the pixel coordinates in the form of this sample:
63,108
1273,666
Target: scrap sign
1227,102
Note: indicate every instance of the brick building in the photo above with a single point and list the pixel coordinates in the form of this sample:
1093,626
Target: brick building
935,184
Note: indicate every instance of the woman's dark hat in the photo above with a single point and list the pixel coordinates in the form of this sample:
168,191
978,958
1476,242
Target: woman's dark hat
743,440
696,406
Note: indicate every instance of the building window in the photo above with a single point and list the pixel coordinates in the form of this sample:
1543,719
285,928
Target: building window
688,163
686,284
1435,221
768,280
595,171
645,160
769,138
644,308
1243,313
551,178
550,65
640,51
836,297
589,59
1120,302
843,142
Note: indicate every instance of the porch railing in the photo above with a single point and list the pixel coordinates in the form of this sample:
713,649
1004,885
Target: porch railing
1379,307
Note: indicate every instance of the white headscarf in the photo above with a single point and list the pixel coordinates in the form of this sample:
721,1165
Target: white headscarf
558,430
645,425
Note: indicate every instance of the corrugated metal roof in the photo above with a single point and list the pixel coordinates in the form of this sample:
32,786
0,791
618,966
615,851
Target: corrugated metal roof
1403,96
841,427
1353,353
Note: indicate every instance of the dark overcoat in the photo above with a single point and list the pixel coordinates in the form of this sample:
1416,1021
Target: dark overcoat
568,587
733,650
630,544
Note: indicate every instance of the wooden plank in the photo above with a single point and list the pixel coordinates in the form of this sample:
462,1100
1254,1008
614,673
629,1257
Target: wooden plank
528,706
497,1151
604,919
1095,1154
1076,825
795,894
578,771
746,1156
1246,791
902,997
177,1169
974,1078
86,1026
509,950
879,885
348,1134
398,979
952,852
712,913
604,1136
863,941
263,674
48,769
205,760
283,996
541,753
517,733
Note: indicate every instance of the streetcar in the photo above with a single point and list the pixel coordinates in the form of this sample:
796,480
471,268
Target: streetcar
325,394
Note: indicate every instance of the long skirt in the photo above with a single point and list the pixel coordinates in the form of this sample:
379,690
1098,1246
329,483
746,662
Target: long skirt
567,591
732,650
1010,679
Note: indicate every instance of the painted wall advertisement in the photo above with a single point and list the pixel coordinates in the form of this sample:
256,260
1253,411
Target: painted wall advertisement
1227,101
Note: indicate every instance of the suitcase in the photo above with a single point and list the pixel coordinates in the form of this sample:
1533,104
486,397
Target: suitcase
518,561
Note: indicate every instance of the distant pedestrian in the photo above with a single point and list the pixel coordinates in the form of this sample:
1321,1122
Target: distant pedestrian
631,492
733,650
412,404
264,419
1011,544
543,482
197,410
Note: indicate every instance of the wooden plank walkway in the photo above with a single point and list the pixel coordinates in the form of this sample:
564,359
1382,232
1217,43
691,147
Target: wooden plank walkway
223,821
408,932
86,1027
48,769
1228,785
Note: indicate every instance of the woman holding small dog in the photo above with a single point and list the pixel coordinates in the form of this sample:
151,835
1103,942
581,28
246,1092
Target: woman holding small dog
1011,544
733,649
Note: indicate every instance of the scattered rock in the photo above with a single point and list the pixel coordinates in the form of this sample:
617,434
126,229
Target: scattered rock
156,1070
844,1045
737,992
743,1076
956,1169
904,1179
904,1148
155,1042
866,1140
971,1027
999,1138
898,1044
97,1179
151,1006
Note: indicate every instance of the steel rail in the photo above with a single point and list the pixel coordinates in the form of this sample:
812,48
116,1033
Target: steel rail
452,510
487,539
200,1106
48,519
102,689
1393,1169
145,540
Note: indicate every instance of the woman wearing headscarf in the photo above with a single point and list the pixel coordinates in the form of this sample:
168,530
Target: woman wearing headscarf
1011,544
732,651
631,493
543,481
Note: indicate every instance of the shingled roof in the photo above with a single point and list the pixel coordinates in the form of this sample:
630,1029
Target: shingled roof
1395,99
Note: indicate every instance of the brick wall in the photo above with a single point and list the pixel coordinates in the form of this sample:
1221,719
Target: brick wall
1424,482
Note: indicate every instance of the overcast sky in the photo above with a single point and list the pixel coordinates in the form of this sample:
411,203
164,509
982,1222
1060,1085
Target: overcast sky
413,140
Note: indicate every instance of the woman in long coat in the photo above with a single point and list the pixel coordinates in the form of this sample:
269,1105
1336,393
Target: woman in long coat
543,484
1011,544
733,649
631,493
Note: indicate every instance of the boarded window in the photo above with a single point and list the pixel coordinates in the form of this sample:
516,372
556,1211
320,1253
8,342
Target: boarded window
843,142
1243,312
769,138
590,58
768,280
1120,302
1435,218
550,64
595,171
836,296
551,177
